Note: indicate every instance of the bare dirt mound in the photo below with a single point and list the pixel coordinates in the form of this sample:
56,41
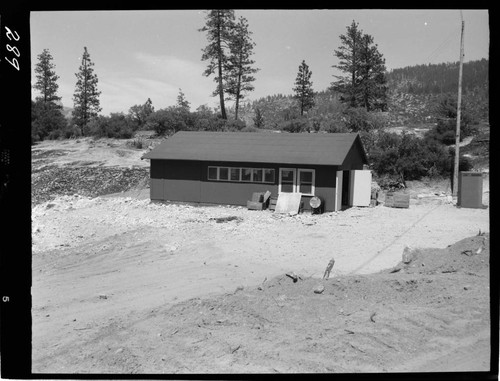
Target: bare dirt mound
86,167
431,314
50,182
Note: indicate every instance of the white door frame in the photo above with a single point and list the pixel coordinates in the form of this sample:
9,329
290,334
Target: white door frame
338,190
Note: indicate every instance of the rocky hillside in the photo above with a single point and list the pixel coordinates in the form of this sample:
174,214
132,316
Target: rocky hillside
414,91
413,94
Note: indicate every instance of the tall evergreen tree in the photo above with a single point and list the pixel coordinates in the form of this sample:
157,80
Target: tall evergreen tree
46,115
349,63
86,95
239,68
219,23
304,92
46,79
373,83
364,81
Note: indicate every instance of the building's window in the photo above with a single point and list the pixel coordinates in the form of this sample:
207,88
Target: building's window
212,173
306,181
269,176
224,174
287,180
235,174
246,174
257,175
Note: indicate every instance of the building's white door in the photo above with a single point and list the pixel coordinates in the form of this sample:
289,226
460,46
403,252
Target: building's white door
361,187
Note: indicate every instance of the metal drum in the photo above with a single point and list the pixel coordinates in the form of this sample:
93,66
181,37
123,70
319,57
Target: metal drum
316,205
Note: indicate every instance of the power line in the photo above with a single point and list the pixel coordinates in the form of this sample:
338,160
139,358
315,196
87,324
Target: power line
441,48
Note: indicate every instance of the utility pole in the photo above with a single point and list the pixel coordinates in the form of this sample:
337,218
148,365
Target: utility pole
459,105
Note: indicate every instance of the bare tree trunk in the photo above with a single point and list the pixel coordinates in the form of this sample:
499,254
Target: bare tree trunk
221,87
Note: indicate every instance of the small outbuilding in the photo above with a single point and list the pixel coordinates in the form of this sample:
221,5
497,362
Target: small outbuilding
228,167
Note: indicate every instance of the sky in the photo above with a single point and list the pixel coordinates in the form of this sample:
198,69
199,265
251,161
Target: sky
153,54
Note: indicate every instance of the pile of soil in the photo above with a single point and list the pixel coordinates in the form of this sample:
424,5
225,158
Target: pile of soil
418,319
52,181
380,322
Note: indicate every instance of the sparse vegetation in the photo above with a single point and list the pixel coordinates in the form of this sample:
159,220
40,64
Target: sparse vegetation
117,125
399,158
137,143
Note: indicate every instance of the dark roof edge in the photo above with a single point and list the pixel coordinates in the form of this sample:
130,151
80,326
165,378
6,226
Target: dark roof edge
360,142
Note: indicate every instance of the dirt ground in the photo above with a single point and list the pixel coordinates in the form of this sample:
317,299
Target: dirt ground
123,285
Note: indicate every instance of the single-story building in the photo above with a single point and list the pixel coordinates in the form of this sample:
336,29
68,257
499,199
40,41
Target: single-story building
228,167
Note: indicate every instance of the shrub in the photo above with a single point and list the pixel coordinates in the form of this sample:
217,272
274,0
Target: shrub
390,182
316,124
295,125
46,119
54,135
136,143
71,132
116,126
210,123
464,163
258,119
234,125
250,129
335,126
408,157
445,129
358,119
174,119
445,112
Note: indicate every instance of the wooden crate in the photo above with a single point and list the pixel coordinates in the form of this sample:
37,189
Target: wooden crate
255,205
397,200
272,203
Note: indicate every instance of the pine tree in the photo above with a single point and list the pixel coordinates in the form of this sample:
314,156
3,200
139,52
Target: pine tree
86,96
373,83
46,79
219,23
239,68
349,55
148,107
364,83
182,102
304,92
46,115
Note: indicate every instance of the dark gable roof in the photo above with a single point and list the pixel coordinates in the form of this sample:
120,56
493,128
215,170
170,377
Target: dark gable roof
283,148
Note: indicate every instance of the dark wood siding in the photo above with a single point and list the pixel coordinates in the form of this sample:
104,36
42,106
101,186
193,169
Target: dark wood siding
156,189
156,170
228,193
234,192
354,158
182,190
187,181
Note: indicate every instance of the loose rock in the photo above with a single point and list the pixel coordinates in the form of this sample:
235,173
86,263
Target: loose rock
319,289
